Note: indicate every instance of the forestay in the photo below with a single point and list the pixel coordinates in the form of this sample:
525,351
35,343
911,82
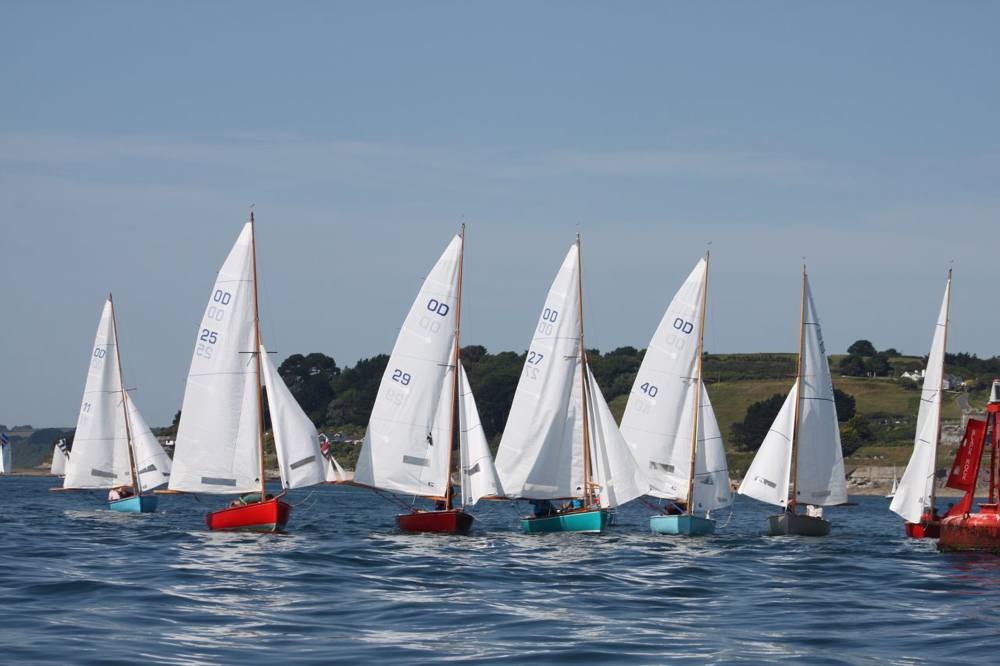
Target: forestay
217,449
100,447
407,446
618,475
540,454
296,441
657,422
915,488
479,475
820,460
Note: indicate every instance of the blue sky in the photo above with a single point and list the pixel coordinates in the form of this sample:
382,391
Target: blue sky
135,136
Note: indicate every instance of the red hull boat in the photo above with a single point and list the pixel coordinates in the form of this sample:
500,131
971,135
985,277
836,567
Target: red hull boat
925,529
267,516
453,522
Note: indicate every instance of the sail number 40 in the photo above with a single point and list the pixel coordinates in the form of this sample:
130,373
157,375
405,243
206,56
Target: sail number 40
649,389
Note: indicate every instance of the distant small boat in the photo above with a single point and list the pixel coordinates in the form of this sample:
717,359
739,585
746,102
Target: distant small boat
334,472
915,497
113,448
220,439
669,421
425,410
5,454
803,445
561,441
895,484
60,456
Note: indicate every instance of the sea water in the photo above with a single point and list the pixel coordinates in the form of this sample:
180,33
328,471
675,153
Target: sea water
80,584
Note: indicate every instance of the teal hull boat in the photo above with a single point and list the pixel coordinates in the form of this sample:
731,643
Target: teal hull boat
682,524
137,504
577,521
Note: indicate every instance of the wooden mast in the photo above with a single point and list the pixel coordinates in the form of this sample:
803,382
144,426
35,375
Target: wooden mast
697,391
798,396
583,382
121,382
937,433
457,368
256,355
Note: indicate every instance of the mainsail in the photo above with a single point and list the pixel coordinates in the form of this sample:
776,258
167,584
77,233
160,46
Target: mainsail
217,446
408,444
658,421
916,489
541,454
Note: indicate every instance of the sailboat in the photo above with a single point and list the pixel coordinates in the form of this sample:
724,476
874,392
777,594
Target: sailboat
914,501
334,472
895,484
113,447
669,421
60,456
425,410
803,444
5,454
220,439
561,441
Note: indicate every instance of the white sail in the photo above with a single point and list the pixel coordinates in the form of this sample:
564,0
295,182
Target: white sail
334,472
151,462
617,473
59,458
711,471
657,422
296,441
820,460
100,447
768,475
217,446
5,458
407,446
916,487
479,475
541,450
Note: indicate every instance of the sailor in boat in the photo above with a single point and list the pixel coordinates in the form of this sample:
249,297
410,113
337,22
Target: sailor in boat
543,508
676,508
249,498
120,493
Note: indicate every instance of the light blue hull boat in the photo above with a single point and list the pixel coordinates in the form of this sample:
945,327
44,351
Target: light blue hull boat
682,524
578,521
137,504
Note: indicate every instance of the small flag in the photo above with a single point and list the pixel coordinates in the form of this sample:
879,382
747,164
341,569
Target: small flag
4,439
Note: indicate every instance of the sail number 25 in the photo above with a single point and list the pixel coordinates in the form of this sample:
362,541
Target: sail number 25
215,313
